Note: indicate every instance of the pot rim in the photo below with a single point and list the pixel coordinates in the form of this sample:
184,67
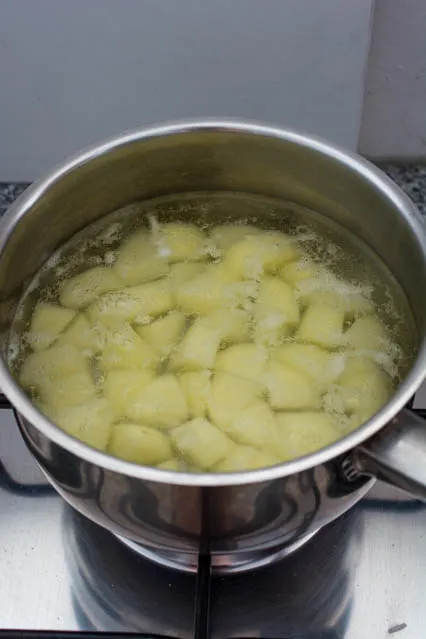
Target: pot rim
352,161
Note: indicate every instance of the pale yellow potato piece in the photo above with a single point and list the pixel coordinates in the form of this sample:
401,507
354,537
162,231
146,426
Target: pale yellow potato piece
262,253
78,388
201,442
228,396
233,324
225,235
137,304
171,464
289,388
139,444
122,388
322,324
124,348
244,360
276,311
295,272
161,403
164,334
53,363
367,334
139,260
246,458
196,386
79,291
302,433
354,304
205,293
47,323
254,425
320,365
81,335
198,348
90,422
182,242
182,272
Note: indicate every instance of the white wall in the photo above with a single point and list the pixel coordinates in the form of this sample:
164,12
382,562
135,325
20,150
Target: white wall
74,71
394,117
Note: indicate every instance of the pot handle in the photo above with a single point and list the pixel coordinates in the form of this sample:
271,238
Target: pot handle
397,454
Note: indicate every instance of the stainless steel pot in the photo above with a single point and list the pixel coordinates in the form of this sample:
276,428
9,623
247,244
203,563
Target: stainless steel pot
246,516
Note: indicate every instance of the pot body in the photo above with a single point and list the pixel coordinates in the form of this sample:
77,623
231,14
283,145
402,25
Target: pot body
243,513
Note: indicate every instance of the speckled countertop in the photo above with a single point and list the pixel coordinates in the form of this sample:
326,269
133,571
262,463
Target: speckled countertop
411,177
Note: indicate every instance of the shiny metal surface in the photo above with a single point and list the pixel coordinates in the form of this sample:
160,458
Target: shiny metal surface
361,577
247,512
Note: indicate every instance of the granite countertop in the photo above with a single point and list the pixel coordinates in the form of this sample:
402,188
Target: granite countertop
410,177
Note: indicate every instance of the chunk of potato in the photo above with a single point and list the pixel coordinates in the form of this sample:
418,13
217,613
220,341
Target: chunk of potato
90,422
53,363
79,291
276,311
78,388
137,304
196,386
139,444
320,365
139,260
182,242
243,360
225,235
246,458
228,396
124,348
182,272
289,388
262,253
305,432
81,335
47,323
163,334
233,324
295,272
353,303
254,425
122,388
201,442
322,324
205,293
198,348
367,334
161,403
171,464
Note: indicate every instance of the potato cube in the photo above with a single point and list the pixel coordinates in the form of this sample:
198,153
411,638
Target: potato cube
182,242
53,363
163,334
353,303
228,396
201,442
133,304
161,403
276,311
78,388
79,291
367,334
295,272
233,324
182,272
139,260
305,432
205,293
243,360
262,253
320,365
81,335
225,235
198,348
124,348
289,388
171,464
322,324
122,388
139,444
254,425
196,387
90,423
246,458
47,323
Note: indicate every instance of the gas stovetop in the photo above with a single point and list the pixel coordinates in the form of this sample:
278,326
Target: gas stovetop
362,577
